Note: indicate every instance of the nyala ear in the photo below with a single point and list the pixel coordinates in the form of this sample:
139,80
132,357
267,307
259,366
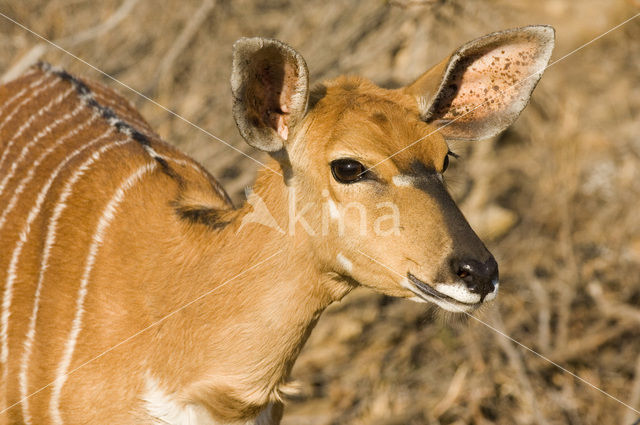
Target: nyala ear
270,86
484,85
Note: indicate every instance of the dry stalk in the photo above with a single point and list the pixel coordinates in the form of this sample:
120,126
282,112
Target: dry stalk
36,52
515,361
453,392
568,183
544,315
405,4
612,309
634,398
164,73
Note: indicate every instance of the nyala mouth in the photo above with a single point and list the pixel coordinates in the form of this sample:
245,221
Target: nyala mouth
430,294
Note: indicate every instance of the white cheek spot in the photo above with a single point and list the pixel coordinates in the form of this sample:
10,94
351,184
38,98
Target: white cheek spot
458,292
402,180
344,262
333,210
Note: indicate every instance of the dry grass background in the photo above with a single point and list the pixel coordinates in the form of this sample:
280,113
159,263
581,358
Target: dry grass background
556,196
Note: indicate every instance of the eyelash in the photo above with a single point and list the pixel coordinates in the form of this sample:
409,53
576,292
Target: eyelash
446,159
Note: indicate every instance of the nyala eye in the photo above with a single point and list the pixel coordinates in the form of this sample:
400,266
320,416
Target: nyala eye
347,170
445,165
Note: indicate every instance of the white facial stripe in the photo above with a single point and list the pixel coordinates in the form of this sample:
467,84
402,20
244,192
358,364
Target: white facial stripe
60,205
107,217
459,292
403,180
345,263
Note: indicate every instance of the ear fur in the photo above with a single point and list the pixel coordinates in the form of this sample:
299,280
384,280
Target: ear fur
270,87
484,85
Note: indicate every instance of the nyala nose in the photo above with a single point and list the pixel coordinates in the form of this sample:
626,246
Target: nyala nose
479,277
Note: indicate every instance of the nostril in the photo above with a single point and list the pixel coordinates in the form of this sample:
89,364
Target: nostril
478,277
466,269
462,273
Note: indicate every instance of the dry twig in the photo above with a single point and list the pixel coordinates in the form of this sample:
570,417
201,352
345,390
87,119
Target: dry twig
516,363
634,398
36,52
182,41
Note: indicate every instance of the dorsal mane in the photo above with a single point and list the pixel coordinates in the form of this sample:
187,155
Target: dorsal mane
193,204
108,113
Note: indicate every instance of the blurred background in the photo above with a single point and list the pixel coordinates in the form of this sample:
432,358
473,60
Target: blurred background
556,197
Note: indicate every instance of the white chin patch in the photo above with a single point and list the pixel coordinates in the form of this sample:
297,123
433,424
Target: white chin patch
459,292
442,303
450,306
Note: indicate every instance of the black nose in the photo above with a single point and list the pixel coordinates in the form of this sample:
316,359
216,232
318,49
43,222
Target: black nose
479,277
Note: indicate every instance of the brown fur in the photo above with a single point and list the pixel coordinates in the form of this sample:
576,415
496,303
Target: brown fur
175,237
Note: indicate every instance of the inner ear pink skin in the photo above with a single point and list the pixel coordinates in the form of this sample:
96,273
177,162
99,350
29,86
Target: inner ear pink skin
493,80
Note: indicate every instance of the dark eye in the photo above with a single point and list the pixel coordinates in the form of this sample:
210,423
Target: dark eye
445,165
347,170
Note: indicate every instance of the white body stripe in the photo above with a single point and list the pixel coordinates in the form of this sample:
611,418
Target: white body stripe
16,96
33,85
50,239
7,297
13,265
48,129
32,118
104,222
31,173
